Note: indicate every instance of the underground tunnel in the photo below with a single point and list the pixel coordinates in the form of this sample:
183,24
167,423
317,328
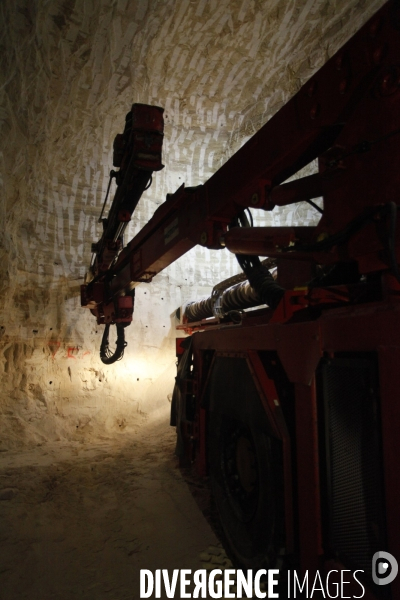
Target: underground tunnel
91,490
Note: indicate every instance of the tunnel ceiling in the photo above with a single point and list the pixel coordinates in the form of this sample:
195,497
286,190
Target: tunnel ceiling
70,71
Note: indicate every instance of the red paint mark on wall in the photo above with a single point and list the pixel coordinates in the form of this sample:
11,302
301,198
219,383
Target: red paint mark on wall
71,350
54,347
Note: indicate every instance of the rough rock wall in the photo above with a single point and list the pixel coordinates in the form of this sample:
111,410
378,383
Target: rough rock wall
70,70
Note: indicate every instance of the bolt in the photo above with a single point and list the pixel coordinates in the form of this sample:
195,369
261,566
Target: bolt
390,81
312,88
203,238
343,86
254,199
378,55
386,80
314,112
374,27
339,62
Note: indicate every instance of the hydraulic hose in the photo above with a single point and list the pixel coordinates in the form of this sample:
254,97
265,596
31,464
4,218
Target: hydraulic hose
237,297
260,279
265,286
107,357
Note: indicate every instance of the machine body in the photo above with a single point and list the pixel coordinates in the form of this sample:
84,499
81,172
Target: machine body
293,409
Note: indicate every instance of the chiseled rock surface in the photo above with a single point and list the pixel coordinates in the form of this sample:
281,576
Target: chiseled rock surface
69,72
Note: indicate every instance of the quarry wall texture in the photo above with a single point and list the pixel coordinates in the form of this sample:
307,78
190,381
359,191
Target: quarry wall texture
70,70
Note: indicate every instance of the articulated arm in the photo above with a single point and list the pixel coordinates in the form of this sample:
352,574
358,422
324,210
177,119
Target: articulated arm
347,117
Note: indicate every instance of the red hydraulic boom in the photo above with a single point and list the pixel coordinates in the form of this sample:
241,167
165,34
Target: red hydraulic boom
292,409
346,117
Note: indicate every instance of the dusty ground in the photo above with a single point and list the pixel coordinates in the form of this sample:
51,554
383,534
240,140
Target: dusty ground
80,521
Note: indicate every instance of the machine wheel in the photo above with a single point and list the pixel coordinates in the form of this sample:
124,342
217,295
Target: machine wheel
245,465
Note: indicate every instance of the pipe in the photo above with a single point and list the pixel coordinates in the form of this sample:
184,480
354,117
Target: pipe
237,297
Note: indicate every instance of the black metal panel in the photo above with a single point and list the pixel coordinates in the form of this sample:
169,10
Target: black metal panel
355,527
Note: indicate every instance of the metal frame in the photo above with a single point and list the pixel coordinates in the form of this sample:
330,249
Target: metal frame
373,327
347,117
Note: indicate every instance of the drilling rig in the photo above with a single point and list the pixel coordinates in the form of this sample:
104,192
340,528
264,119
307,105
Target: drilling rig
291,409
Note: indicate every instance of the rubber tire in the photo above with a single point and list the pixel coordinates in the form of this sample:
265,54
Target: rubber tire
255,536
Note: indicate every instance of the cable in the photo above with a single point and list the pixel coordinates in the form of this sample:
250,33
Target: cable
259,277
341,236
363,146
107,357
250,216
314,205
112,175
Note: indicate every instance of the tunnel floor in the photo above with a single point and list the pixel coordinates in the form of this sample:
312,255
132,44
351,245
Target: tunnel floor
80,521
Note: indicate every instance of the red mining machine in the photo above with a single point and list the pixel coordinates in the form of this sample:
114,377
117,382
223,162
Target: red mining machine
292,409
